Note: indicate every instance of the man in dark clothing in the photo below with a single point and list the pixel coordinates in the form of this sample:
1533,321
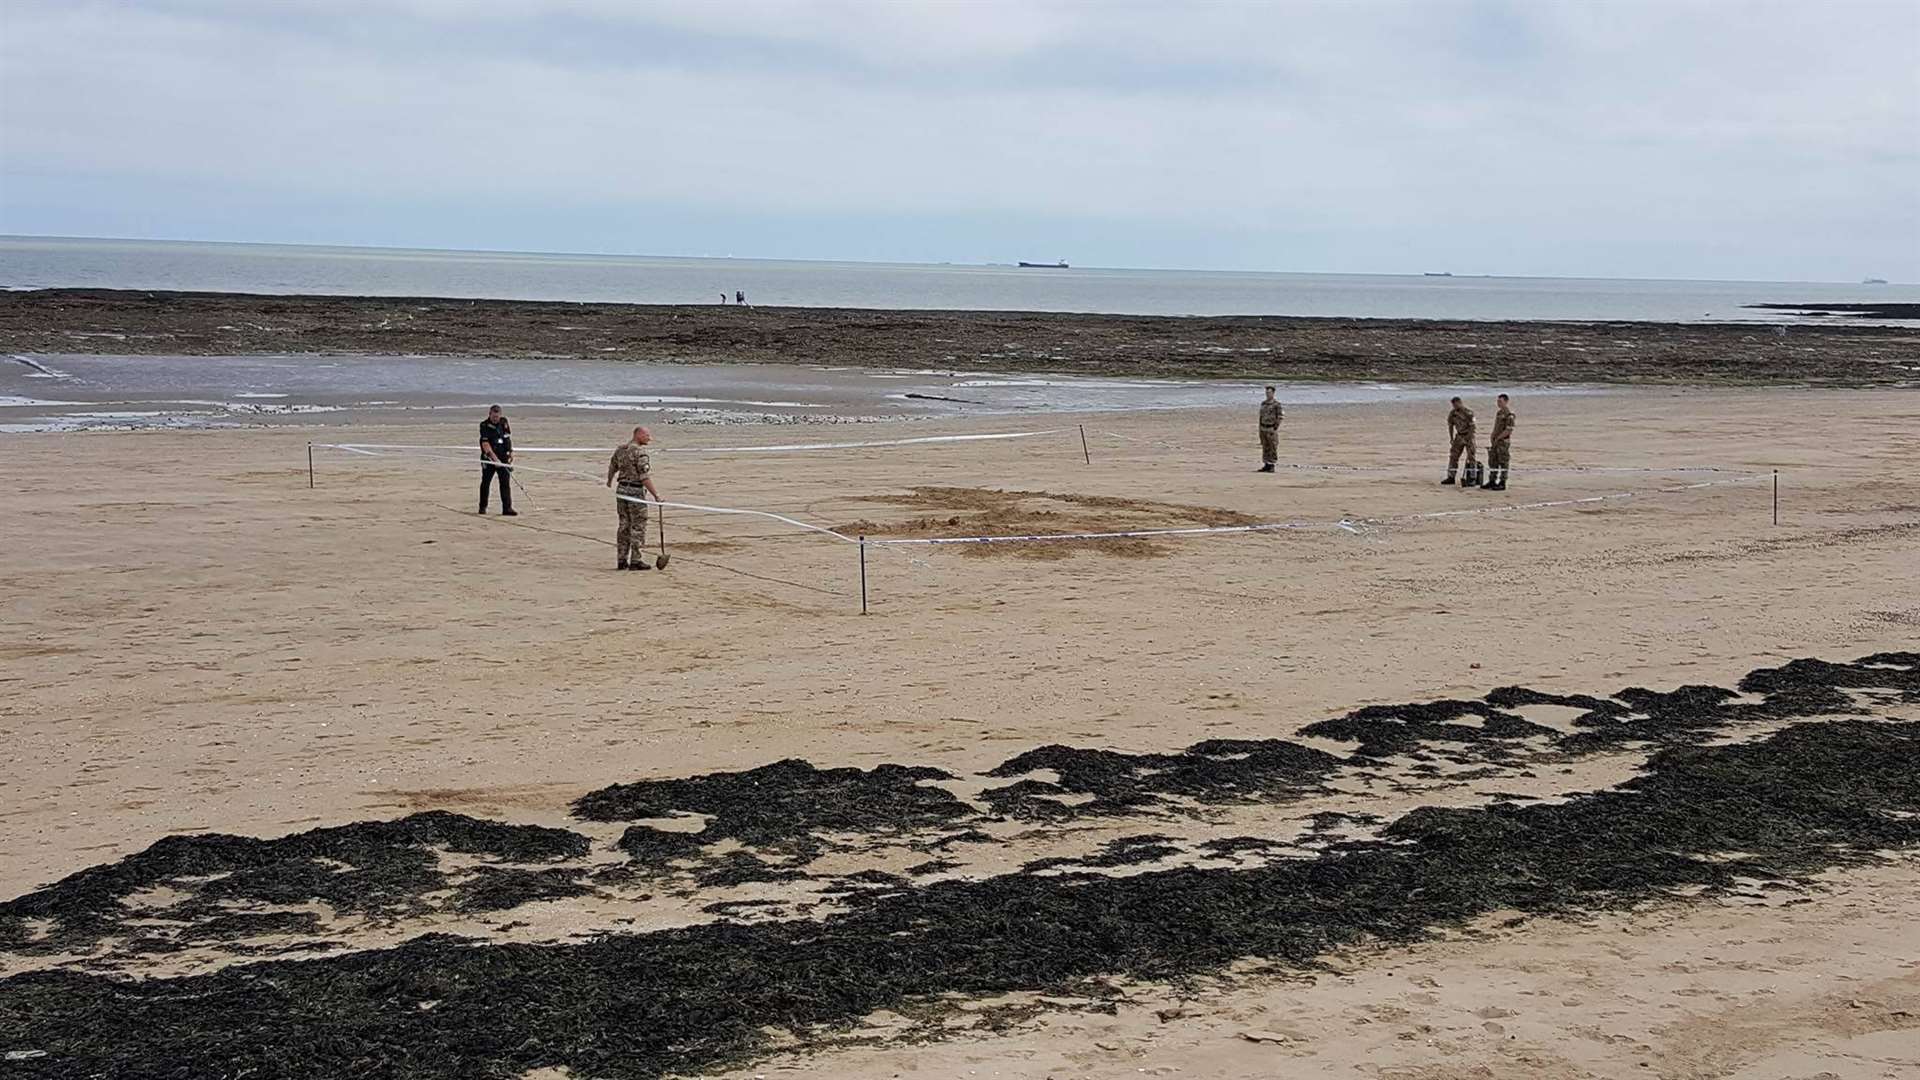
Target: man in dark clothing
496,459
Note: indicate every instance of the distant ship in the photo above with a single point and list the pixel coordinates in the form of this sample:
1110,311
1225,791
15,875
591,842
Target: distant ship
1873,281
1061,265
1442,273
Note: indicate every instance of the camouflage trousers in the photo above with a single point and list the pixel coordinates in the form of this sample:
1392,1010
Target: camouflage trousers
1269,445
630,541
1497,454
1460,445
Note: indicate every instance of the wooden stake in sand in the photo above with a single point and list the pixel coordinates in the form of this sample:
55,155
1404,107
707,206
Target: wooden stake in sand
1776,496
1084,452
309,466
863,574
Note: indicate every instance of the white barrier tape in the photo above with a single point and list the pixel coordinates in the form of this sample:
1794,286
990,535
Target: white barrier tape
783,448
1196,530
797,447
1347,524
730,510
1625,469
369,451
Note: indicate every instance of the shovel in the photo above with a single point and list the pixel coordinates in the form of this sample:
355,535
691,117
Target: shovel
661,562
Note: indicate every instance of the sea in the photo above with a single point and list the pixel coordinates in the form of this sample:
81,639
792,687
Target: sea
57,262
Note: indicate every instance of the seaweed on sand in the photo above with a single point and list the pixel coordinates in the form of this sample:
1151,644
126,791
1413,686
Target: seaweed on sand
933,866
500,888
647,1005
1389,730
1798,688
373,868
1685,715
741,868
1125,851
1213,771
779,807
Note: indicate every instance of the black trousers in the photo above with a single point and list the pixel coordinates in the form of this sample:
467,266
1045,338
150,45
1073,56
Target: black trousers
488,470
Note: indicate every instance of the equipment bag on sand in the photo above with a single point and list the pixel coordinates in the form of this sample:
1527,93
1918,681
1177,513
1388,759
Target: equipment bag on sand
1470,476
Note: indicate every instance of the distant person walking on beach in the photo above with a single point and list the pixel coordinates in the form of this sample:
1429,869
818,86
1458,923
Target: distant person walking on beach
632,466
739,297
1460,433
496,459
1270,416
1499,446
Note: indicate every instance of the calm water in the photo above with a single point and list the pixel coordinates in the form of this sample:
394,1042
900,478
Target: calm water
91,393
37,262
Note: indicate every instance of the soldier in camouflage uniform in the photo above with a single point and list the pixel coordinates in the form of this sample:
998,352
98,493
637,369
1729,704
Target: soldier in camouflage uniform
632,466
1498,448
1460,432
1270,415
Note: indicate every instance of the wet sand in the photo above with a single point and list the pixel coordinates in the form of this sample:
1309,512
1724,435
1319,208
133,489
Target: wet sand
197,642
69,392
1253,348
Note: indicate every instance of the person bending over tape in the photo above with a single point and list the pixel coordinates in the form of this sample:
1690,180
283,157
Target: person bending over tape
496,459
1460,435
632,466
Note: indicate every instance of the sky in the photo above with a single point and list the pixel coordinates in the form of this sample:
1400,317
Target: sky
1733,139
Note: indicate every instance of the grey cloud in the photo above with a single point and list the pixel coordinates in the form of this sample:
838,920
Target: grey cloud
1661,138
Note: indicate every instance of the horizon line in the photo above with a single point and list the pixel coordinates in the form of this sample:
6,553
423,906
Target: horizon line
517,252
521,252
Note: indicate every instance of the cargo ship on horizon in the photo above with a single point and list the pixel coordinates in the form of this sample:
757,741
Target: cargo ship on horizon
1061,265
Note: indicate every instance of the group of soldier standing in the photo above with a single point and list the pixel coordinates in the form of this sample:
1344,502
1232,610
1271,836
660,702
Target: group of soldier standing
1499,445
1460,437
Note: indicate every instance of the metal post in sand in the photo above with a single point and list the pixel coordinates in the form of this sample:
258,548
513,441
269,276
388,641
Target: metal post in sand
863,574
1776,496
309,466
661,562
1084,452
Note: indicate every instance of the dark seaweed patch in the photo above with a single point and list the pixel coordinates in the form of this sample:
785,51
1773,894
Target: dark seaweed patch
372,868
1229,846
964,836
782,806
494,888
742,868
1125,851
1388,730
657,847
1329,820
247,924
735,907
634,1006
1214,771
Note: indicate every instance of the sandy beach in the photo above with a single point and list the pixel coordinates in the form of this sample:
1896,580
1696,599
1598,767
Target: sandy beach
197,642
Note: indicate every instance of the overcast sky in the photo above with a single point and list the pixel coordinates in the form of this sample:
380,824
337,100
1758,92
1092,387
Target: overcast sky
1725,139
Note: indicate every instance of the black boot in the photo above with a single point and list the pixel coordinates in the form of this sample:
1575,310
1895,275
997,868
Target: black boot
1449,478
1266,468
